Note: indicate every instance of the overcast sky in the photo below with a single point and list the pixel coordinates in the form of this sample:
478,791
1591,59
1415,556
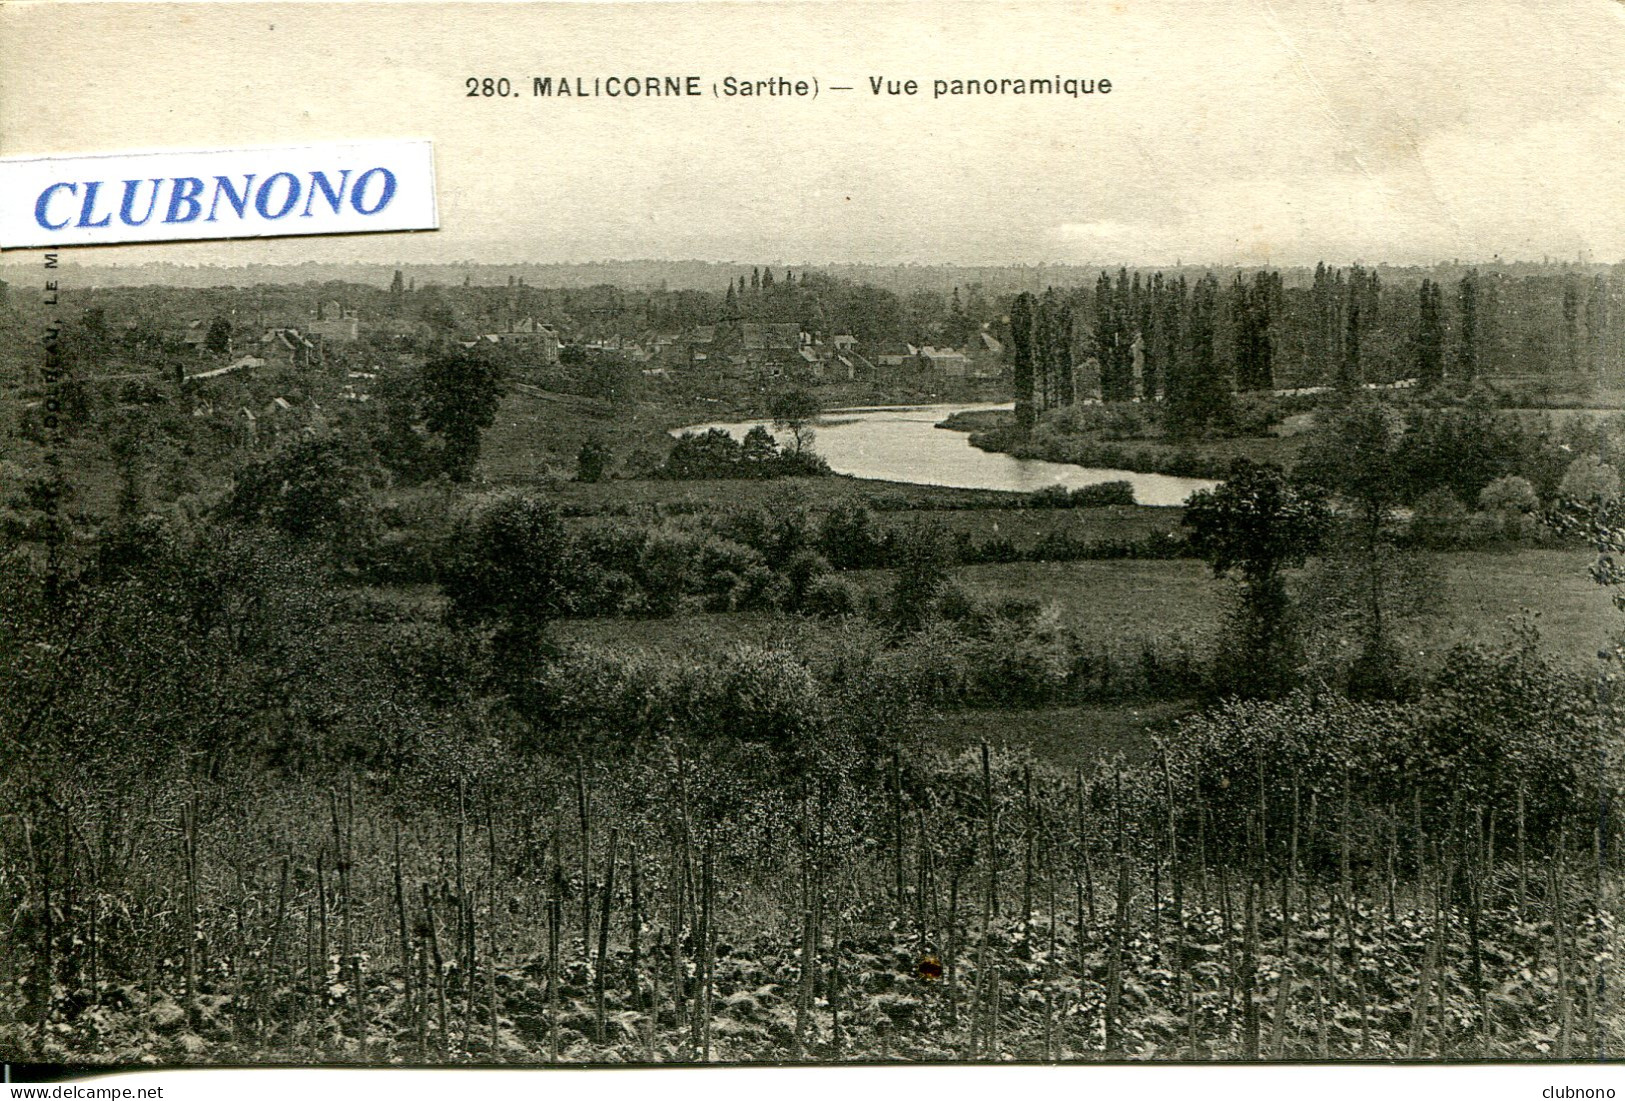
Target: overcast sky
1249,132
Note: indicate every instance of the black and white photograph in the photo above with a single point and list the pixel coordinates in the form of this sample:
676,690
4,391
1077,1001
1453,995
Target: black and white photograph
546,535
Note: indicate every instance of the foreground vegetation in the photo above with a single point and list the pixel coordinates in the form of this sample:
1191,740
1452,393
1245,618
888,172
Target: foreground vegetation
605,869
399,746
294,830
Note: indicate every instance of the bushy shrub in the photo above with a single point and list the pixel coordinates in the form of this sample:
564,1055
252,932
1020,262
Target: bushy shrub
510,564
310,487
722,563
1102,494
1509,494
803,568
1021,663
612,546
1253,414
714,453
776,532
1590,481
832,597
758,589
1492,726
849,540
1113,421
1048,497
924,557
594,459
1099,495
668,569
1510,506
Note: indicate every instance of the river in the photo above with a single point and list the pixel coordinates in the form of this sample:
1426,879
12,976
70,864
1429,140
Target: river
903,444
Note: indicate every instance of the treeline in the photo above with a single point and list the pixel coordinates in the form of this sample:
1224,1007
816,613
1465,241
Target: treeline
715,453
1185,336
1191,343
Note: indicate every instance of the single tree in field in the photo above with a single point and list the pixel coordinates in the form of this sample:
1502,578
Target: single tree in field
594,458
459,394
510,567
1256,525
1022,325
794,410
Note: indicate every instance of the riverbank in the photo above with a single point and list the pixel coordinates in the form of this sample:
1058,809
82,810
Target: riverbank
995,431
903,444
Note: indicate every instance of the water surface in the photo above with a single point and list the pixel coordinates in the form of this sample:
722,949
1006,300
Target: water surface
903,444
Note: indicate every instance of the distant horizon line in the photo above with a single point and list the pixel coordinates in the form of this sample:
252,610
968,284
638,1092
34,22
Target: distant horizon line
17,259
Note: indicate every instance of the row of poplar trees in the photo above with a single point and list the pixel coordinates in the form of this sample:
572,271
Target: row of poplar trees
1171,324
1189,345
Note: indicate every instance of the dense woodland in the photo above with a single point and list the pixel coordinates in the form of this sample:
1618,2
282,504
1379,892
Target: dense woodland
380,734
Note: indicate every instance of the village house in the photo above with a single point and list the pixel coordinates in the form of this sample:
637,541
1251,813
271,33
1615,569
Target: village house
894,354
539,339
195,337
287,348
944,361
986,354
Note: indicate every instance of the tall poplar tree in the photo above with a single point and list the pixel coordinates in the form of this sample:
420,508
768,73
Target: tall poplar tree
1467,315
1021,359
1200,395
1055,348
1151,339
1430,334
1571,325
1597,325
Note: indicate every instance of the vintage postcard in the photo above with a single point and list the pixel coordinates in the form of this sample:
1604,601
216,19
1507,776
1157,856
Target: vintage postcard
564,534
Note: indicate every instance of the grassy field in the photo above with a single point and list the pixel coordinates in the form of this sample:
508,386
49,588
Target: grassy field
537,434
1484,593
1481,595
